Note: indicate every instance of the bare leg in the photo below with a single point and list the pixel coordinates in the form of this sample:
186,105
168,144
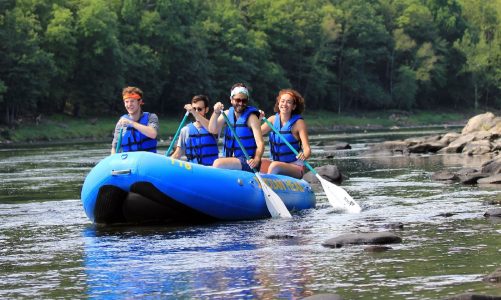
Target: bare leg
282,168
231,163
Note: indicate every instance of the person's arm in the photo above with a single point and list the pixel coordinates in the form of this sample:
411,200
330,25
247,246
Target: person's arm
201,119
302,131
265,129
181,143
149,130
177,153
216,120
253,123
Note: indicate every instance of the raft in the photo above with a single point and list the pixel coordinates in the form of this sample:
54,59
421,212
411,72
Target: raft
145,187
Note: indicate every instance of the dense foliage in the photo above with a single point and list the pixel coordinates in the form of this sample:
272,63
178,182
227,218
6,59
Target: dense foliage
75,56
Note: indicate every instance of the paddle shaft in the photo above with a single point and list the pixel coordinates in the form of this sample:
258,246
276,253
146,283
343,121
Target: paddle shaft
177,133
119,142
288,144
237,138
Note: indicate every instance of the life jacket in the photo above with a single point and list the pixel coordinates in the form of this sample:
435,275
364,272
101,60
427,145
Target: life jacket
230,145
201,146
134,140
278,148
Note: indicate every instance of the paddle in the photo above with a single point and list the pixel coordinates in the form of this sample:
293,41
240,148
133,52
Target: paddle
336,195
177,133
275,205
119,143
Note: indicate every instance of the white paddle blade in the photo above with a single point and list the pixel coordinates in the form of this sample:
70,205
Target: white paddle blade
338,197
275,205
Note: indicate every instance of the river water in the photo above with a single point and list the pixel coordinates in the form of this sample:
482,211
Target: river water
49,249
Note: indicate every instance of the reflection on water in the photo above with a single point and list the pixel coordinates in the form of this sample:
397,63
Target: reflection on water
222,260
50,249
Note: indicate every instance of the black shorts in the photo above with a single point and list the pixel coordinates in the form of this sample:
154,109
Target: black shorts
245,165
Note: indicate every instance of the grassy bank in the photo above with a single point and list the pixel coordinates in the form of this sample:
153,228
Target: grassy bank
63,128
319,120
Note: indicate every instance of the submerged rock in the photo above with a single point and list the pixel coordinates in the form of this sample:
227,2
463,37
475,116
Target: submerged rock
378,238
446,215
328,172
444,176
280,237
494,277
324,297
472,178
396,225
377,248
474,297
492,166
495,212
495,179
329,146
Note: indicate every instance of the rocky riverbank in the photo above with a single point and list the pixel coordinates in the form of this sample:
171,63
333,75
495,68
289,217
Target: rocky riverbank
481,136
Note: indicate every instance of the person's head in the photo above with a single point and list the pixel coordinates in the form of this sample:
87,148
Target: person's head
133,98
239,97
292,98
201,104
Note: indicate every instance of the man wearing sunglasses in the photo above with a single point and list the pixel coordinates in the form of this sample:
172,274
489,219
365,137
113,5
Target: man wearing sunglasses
198,144
245,121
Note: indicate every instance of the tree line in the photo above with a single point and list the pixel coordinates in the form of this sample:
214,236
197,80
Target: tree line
75,56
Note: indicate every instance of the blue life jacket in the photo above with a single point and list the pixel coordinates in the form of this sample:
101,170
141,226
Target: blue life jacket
231,147
278,148
134,140
201,146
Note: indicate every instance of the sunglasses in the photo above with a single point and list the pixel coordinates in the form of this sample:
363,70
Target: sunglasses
240,100
198,108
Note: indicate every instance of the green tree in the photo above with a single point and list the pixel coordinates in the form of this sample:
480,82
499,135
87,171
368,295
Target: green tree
99,68
172,29
61,41
363,52
481,46
142,68
25,68
417,47
296,45
406,87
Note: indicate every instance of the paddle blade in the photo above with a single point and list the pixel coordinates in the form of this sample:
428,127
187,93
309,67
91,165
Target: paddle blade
275,205
338,197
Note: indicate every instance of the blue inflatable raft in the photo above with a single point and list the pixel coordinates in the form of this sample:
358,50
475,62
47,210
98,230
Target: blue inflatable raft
144,187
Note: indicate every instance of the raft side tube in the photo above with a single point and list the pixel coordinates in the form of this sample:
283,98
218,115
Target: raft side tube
109,202
146,203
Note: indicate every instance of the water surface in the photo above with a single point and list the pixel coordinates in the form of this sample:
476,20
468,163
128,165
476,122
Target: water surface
51,250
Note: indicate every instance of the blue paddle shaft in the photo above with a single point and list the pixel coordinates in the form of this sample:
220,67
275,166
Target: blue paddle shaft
119,142
177,133
288,144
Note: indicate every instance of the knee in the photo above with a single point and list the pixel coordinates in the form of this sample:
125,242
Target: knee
274,168
217,163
